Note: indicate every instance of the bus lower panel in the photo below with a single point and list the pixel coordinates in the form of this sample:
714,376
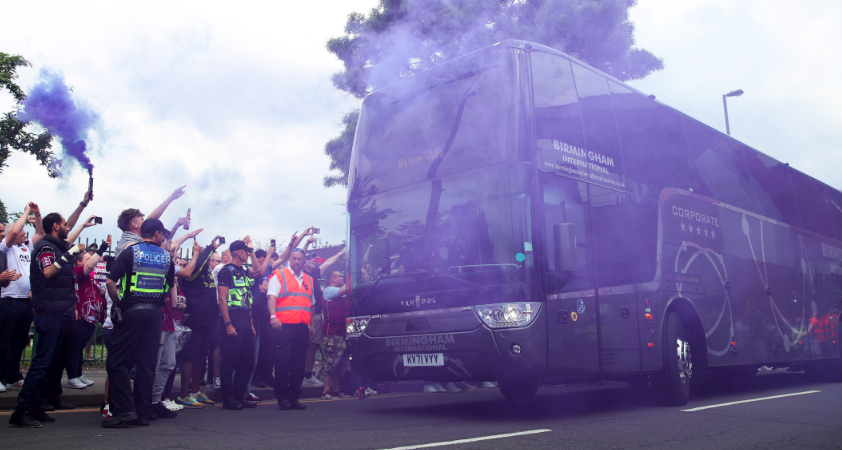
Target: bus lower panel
468,356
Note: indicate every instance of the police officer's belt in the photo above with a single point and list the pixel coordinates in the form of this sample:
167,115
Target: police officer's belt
135,306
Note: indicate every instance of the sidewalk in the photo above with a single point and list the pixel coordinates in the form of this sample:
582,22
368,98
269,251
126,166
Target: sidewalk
93,396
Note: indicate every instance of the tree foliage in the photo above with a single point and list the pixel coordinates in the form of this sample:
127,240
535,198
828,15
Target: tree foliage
13,134
399,38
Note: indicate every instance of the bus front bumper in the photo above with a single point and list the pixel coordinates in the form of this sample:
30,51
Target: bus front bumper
480,354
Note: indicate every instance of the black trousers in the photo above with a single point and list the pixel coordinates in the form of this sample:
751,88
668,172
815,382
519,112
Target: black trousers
263,371
68,334
237,353
134,341
290,354
15,316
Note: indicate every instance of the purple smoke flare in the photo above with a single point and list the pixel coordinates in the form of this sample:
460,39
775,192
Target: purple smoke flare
50,104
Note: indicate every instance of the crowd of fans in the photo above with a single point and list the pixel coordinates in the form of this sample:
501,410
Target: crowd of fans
243,318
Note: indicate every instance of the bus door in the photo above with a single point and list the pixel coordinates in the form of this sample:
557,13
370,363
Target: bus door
571,295
822,281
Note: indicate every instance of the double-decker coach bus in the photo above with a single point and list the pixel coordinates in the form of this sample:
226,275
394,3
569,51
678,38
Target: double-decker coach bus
517,216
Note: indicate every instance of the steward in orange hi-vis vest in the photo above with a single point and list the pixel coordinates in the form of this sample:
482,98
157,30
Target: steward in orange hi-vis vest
294,300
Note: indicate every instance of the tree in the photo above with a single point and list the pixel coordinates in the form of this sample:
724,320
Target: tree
12,131
400,38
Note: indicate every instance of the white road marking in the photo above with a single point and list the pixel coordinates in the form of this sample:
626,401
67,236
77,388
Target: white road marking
465,441
699,408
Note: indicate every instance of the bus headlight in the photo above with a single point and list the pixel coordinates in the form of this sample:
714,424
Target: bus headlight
506,315
354,326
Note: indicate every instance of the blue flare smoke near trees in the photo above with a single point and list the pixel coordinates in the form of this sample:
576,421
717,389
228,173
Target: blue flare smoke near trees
400,38
51,105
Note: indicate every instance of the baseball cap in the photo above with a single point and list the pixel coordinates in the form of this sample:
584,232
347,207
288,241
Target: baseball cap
239,245
150,226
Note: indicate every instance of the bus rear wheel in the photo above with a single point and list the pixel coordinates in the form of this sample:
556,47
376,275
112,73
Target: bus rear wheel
674,380
519,392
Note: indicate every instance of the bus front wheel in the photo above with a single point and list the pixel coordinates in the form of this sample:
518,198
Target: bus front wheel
674,379
519,392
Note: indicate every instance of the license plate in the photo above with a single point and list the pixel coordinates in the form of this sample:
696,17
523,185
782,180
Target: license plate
423,360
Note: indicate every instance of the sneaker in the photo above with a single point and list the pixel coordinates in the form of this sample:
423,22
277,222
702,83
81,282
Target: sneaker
202,398
469,386
327,396
172,406
311,382
217,383
86,381
251,398
106,411
163,412
370,391
339,395
23,420
488,385
451,388
75,383
16,385
430,389
189,402
119,421
43,417
439,388
2,387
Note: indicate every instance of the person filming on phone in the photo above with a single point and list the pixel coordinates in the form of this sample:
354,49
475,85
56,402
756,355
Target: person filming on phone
53,293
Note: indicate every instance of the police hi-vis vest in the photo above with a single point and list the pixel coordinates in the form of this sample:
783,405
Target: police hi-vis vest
239,295
294,300
148,278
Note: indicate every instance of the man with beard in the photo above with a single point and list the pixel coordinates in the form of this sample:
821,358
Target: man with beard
53,293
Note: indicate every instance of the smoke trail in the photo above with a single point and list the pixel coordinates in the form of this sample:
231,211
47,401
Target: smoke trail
50,104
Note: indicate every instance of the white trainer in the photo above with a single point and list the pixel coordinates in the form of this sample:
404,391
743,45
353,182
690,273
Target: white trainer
2,387
370,391
451,388
86,381
312,382
171,405
488,385
430,389
439,387
75,383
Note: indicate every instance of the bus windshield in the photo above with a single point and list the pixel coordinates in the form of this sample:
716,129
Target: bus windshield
453,236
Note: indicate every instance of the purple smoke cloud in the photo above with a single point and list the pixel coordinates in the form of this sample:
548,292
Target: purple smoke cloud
50,104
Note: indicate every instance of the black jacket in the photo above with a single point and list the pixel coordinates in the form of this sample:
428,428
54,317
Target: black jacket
56,294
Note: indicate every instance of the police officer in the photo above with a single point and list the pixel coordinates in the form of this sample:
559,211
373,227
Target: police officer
237,333
145,275
53,293
290,296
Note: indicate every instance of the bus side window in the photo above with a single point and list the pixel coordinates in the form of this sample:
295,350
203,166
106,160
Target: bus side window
566,233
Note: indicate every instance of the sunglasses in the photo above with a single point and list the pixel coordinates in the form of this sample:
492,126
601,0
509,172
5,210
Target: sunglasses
299,250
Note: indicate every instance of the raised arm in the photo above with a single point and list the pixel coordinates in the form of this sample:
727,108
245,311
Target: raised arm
17,228
159,211
91,264
203,257
294,242
187,271
178,224
75,233
67,258
71,221
177,243
39,226
331,261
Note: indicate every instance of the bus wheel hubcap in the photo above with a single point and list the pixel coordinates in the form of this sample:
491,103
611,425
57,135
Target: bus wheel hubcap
685,361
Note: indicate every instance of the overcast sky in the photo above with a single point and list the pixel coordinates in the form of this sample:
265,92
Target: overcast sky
235,101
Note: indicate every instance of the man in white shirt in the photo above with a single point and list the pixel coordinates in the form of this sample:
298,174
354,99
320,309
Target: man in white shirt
15,305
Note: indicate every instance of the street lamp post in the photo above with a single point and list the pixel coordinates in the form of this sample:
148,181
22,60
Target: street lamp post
736,93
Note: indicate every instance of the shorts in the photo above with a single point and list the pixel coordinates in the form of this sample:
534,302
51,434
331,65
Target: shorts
335,355
316,322
197,346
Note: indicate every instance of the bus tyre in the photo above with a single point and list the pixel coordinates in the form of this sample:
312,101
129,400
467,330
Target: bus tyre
673,381
519,392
